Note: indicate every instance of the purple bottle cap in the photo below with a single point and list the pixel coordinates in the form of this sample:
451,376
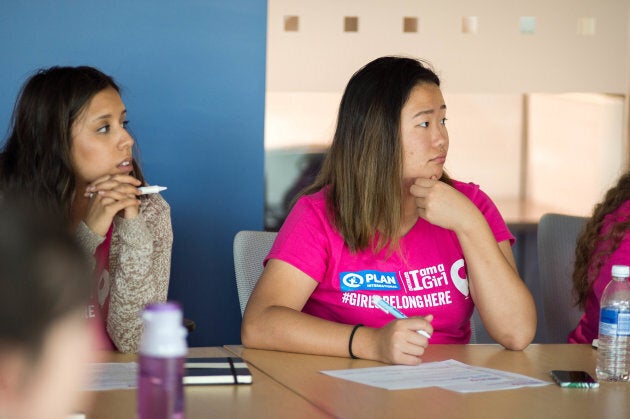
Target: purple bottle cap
163,331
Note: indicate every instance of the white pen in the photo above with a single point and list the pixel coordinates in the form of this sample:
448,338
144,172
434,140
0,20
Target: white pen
383,305
151,189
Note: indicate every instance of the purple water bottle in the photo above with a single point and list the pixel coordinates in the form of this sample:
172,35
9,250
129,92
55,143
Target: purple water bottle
162,353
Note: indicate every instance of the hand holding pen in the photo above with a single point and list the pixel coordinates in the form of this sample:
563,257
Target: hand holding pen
387,308
107,196
110,195
403,341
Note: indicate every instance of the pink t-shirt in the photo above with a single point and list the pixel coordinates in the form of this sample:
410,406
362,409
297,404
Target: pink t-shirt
98,306
427,275
588,326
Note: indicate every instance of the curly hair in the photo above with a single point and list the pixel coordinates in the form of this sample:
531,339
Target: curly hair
595,245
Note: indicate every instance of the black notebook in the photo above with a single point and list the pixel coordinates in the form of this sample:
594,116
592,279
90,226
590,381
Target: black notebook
222,370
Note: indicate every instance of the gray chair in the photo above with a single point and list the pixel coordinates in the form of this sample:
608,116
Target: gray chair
478,330
250,249
557,237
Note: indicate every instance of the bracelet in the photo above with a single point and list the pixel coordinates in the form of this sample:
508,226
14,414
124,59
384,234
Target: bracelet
354,329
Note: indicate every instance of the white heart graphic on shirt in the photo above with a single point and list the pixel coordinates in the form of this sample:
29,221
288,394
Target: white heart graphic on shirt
460,283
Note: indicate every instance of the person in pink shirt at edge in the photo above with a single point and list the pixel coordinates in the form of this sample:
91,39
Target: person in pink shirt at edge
604,242
383,218
69,149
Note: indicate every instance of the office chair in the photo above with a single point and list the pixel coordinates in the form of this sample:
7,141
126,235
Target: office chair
250,249
557,237
478,331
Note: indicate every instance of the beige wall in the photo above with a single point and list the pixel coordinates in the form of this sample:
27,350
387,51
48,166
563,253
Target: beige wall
575,144
495,141
485,141
498,59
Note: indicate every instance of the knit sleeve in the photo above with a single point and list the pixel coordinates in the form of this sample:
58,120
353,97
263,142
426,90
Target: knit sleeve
88,240
139,265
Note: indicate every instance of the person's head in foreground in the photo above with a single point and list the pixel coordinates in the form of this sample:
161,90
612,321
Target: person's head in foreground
44,341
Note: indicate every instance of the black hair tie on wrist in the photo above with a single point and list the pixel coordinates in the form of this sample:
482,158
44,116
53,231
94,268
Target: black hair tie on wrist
354,329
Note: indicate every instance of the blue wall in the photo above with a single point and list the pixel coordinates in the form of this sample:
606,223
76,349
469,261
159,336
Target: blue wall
193,80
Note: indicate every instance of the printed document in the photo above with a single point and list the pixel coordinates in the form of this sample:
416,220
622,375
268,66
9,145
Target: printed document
450,375
112,376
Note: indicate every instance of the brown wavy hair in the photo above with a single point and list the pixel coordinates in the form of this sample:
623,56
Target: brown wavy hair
363,169
36,159
589,256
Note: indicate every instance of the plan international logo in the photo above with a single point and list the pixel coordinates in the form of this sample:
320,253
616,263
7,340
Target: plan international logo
368,280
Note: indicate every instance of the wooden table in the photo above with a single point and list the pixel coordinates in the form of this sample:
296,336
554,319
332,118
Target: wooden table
265,398
340,398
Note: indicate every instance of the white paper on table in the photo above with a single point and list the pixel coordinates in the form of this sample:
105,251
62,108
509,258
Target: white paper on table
112,376
450,375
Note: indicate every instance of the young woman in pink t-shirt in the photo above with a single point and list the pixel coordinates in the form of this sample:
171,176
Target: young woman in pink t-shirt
383,218
604,242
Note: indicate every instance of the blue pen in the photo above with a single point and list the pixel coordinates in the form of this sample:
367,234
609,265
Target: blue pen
383,305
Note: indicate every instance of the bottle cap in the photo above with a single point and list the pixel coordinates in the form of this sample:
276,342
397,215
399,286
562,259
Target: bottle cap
164,334
621,271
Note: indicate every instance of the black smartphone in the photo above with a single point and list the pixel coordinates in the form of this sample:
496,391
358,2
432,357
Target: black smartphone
574,379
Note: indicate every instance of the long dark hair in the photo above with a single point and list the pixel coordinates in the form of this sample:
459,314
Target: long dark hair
36,157
594,246
363,168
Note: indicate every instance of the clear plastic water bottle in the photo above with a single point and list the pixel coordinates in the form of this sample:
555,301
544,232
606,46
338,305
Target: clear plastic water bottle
613,353
162,354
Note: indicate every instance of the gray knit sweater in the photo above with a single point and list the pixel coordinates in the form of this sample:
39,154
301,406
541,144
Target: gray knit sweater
139,267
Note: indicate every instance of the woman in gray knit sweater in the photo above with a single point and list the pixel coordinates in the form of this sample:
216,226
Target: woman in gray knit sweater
69,150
